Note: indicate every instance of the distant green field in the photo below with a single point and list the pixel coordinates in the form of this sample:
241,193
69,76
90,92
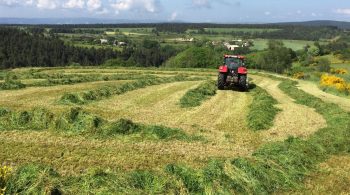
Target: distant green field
97,46
260,44
228,30
138,30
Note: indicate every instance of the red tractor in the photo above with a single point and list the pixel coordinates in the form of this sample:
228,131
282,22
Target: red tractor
233,73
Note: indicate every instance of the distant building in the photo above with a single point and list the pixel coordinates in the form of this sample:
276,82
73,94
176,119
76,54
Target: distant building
231,47
104,41
122,43
185,39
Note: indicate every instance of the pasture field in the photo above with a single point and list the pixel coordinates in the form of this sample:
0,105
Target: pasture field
250,30
139,130
260,44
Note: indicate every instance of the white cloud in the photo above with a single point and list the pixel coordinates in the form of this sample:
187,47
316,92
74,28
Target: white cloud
313,14
208,4
47,4
201,3
74,4
173,16
11,3
94,5
267,13
150,6
343,11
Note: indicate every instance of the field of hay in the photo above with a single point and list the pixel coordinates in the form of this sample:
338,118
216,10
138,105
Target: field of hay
158,131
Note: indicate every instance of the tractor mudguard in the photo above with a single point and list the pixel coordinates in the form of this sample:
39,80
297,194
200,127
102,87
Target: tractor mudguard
242,70
223,69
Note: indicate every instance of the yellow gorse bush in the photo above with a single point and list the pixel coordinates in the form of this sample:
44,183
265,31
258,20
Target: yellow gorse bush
334,81
5,173
339,71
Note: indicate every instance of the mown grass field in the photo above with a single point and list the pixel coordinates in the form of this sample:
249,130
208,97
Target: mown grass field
168,131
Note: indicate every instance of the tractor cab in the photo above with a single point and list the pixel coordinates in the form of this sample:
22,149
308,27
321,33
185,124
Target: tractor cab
233,62
233,72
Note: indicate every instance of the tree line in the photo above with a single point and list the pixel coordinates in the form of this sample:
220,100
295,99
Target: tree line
292,31
20,48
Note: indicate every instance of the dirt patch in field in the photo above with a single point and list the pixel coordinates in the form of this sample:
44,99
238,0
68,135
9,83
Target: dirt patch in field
294,119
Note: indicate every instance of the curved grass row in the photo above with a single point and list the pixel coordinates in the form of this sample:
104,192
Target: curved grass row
195,97
79,122
262,111
107,91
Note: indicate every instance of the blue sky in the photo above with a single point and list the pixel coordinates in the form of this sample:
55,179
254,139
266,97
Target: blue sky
219,11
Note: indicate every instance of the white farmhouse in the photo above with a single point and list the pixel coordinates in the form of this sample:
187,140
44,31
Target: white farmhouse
104,41
231,47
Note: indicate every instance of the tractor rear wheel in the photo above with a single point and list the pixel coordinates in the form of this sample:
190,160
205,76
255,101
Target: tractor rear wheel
221,81
243,83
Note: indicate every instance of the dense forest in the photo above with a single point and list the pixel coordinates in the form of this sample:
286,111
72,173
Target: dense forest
19,48
30,48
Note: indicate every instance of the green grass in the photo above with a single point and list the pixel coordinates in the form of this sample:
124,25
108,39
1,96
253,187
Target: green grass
107,91
195,97
69,79
262,111
11,82
272,168
228,30
79,122
261,44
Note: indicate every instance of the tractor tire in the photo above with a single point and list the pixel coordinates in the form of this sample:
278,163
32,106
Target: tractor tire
221,81
243,83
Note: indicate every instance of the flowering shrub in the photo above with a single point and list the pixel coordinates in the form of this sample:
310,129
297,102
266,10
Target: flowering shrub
5,173
335,82
339,71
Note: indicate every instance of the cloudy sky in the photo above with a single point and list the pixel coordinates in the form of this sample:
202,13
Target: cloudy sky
221,11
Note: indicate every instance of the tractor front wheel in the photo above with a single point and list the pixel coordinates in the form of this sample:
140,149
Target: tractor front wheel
221,81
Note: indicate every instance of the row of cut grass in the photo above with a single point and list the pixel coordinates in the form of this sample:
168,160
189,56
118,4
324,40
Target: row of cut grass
79,122
195,97
107,91
262,111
